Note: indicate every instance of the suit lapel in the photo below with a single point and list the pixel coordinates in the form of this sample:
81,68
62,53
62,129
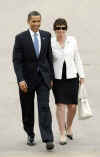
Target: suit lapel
42,42
30,43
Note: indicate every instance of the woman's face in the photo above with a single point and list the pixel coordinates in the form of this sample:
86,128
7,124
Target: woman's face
60,31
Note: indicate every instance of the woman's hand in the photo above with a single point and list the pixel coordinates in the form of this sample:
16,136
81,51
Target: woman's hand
51,84
81,80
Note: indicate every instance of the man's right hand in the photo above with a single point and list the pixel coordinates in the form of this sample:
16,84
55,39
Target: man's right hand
23,86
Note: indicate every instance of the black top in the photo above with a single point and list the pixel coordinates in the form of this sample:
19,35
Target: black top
64,71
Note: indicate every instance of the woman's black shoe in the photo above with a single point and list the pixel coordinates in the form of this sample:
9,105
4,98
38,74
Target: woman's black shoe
70,137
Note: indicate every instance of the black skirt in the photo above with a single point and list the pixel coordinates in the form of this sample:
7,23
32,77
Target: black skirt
66,90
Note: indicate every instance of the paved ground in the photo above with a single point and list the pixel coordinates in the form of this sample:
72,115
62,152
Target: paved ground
83,23
13,138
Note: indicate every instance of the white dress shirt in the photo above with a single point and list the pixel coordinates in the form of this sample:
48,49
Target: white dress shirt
38,35
70,55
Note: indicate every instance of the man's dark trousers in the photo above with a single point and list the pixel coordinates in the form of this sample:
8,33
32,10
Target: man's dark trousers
44,114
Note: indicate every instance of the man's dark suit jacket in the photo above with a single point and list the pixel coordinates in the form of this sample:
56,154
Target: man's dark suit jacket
25,60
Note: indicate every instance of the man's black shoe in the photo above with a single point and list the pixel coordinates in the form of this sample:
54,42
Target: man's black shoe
49,145
30,141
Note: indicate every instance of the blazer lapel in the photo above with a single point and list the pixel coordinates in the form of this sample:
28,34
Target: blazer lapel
30,43
42,42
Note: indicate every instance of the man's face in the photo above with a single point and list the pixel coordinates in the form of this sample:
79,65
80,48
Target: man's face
34,23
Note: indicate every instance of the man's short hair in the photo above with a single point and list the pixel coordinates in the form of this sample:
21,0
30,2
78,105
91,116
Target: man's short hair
33,13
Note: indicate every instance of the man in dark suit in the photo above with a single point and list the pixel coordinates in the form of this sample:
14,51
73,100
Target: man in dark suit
32,60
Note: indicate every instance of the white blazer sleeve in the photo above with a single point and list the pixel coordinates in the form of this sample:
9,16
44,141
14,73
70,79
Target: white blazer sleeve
78,61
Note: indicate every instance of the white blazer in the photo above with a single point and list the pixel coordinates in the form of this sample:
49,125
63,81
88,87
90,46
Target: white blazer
70,55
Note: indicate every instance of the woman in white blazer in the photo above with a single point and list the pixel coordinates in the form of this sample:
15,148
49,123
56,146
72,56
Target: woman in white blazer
69,73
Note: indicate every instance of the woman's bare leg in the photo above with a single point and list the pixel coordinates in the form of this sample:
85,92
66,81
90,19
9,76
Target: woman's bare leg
70,116
60,114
